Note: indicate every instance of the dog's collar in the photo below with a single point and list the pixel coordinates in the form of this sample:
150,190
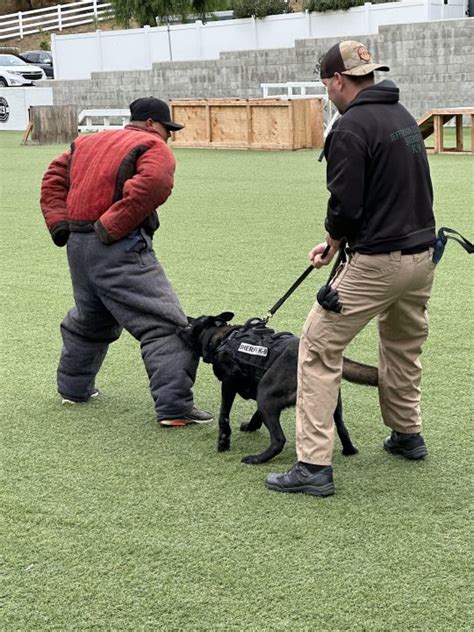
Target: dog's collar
210,351
207,353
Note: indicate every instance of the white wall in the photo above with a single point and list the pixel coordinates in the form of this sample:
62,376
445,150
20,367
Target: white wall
19,100
76,56
284,28
227,35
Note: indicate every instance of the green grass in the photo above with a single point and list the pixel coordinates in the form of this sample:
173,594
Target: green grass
112,523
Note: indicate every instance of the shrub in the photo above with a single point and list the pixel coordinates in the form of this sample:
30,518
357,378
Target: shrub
259,8
45,43
320,6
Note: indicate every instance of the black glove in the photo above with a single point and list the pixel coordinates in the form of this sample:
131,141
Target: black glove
328,298
60,234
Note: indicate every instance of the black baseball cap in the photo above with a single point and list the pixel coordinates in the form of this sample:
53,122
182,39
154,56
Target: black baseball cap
348,58
154,109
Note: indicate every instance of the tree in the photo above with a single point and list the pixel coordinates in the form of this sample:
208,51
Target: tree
150,11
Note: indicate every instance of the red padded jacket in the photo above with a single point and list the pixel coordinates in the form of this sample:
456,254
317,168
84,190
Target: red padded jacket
112,181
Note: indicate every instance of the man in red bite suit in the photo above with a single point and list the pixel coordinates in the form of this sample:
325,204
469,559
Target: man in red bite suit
100,198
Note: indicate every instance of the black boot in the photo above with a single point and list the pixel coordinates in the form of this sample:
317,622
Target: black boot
411,446
300,479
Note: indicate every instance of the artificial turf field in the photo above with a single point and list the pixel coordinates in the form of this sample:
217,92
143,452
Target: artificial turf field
113,523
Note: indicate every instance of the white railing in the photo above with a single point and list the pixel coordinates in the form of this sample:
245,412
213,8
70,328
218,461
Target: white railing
294,89
57,18
302,90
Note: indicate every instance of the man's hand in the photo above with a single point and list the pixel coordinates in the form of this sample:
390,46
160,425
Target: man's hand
316,254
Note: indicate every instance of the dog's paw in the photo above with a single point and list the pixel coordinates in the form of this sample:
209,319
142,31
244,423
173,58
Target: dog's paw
247,427
350,451
223,445
252,460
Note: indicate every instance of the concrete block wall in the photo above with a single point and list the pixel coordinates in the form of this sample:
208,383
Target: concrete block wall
432,62
433,65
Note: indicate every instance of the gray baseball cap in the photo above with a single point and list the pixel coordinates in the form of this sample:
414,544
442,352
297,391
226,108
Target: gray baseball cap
348,58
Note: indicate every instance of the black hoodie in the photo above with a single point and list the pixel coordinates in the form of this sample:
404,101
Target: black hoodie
378,176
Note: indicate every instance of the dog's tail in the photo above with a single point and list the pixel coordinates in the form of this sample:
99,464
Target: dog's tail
360,373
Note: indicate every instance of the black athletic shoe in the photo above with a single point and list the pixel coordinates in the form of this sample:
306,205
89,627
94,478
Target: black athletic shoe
300,479
411,446
195,416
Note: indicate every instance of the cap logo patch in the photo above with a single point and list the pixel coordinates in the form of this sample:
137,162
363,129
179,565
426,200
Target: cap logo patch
363,53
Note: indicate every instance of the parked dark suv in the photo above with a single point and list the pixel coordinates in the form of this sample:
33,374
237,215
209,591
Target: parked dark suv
41,58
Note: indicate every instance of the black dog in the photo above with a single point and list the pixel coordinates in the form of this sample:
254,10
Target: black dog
257,363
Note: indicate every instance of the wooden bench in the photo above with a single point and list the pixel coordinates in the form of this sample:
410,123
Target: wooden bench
97,120
432,123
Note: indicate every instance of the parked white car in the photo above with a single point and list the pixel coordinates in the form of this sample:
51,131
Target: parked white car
15,72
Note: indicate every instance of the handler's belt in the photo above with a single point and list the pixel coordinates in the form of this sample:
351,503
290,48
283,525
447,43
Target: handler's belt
255,347
150,225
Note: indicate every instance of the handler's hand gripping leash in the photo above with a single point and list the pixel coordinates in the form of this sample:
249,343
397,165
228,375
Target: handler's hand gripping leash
440,245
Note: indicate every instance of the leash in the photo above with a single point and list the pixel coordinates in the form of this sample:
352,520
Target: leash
329,127
300,280
446,233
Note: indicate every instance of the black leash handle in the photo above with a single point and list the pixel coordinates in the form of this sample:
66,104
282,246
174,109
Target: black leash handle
298,282
465,243
444,234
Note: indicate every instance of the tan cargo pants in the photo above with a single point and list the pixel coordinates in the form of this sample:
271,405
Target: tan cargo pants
394,287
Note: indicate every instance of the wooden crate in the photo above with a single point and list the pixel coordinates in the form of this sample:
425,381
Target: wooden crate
51,124
248,123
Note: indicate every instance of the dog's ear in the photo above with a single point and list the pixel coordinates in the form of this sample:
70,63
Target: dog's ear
225,316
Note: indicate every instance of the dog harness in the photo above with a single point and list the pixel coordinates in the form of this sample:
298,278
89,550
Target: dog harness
255,347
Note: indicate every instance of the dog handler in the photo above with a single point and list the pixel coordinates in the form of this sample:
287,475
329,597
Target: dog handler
381,203
100,197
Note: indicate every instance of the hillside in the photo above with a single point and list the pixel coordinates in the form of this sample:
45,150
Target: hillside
12,6
32,42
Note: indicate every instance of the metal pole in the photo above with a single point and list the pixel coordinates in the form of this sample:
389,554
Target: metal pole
169,38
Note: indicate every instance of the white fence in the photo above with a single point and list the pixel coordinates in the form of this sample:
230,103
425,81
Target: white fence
57,18
76,56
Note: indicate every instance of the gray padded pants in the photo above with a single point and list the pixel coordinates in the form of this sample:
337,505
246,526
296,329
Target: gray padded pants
123,286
